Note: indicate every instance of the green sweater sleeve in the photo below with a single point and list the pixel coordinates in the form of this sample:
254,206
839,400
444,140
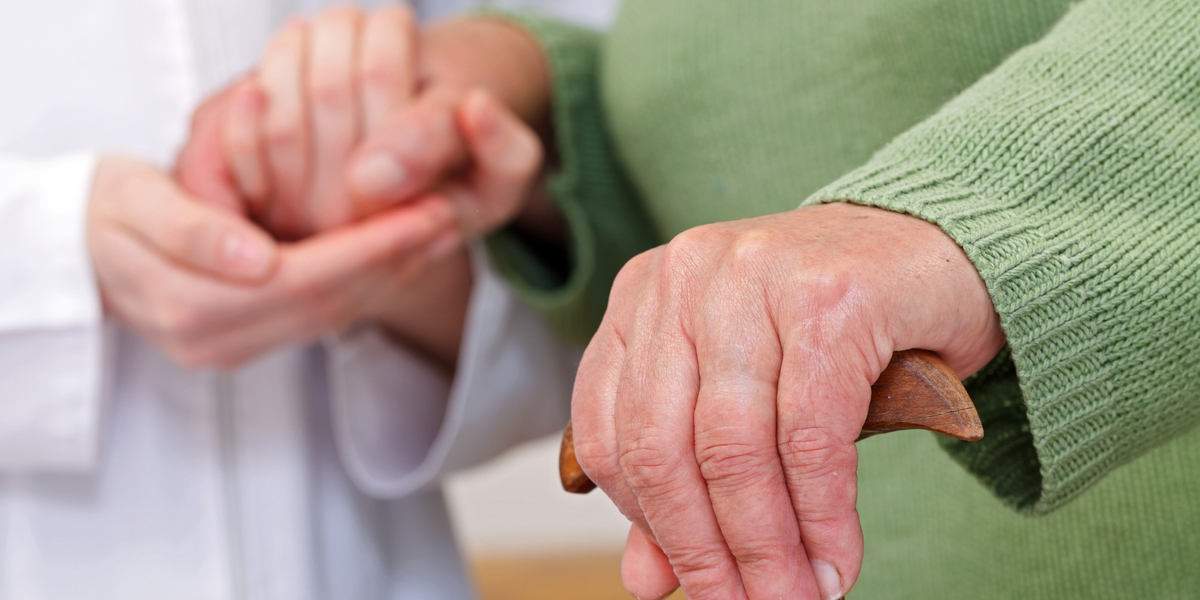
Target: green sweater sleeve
607,223
1071,178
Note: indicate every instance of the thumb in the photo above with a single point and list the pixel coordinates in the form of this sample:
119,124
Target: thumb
148,204
414,149
645,570
506,155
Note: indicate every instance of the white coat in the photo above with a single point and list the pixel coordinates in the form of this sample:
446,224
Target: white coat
311,473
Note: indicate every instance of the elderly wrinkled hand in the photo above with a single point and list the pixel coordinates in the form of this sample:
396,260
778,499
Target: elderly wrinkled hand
719,403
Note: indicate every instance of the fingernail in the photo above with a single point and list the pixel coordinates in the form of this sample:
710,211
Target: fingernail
244,255
829,581
378,175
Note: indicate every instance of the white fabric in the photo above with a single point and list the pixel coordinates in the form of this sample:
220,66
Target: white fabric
311,473
595,15
497,400
50,348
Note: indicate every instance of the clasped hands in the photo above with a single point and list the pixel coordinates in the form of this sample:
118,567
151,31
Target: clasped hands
336,183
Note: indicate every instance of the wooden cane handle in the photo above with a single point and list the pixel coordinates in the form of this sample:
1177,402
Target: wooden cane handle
917,390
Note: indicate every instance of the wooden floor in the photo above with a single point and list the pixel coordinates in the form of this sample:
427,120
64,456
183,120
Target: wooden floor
571,577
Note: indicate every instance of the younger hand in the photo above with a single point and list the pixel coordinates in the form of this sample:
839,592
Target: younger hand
319,138
212,289
452,149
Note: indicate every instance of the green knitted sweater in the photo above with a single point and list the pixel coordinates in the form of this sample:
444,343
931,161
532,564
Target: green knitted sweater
1059,147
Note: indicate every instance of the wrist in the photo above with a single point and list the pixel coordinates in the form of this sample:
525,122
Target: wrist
936,295
429,313
492,53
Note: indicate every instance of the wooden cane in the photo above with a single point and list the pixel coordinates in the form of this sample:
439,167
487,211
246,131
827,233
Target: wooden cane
917,390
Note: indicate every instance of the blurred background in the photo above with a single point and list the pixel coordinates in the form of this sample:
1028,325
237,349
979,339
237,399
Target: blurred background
527,539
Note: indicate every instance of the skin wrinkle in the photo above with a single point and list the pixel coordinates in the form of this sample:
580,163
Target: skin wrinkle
899,179
731,467
740,468
685,477
706,309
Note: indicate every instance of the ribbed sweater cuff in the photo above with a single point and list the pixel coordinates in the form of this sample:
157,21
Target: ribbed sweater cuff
590,189
1015,267
1069,176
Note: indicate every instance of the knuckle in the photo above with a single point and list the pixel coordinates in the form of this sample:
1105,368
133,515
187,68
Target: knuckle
680,263
763,556
825,290
702,570
188,236
535,154
686,252
698,559
178,320
283,130
812,452
594,457
684,249
632,291
830,524
632,273
651,467
751,249
328,88
635,269
377,72
733,464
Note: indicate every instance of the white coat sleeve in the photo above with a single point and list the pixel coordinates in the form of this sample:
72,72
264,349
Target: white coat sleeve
596,14
51,334
401,424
